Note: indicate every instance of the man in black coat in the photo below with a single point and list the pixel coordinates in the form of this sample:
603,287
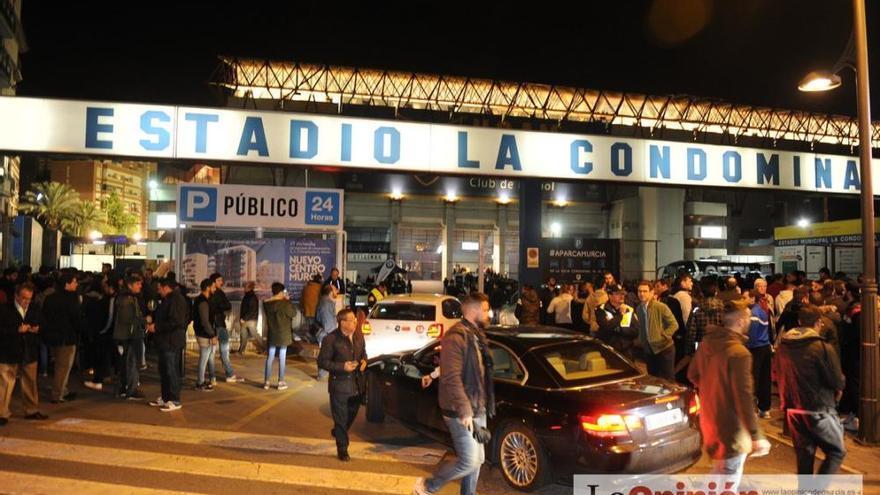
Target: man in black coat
169,332
343,354
61,332
248,315
19,348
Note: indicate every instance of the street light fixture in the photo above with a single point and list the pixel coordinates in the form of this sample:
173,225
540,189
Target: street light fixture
803,223
869,430
819,80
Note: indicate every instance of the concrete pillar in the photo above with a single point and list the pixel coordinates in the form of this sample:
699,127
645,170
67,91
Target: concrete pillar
394,230
449,238
503,227
529,229
662,215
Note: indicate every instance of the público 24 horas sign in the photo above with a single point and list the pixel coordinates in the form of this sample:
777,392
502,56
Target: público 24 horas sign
256,206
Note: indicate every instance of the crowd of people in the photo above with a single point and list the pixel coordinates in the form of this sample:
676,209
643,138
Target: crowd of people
800,334
730,338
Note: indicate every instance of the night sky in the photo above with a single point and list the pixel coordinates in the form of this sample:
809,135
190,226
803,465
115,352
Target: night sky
742,51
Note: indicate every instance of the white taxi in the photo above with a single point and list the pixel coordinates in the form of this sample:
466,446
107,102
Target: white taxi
408,321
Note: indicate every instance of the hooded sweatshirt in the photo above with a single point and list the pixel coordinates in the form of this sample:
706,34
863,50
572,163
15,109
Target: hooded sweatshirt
722,373
808,371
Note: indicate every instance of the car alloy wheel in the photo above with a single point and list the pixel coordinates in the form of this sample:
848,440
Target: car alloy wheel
519,458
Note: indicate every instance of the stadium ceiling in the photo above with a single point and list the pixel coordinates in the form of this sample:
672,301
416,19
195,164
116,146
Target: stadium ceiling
293,81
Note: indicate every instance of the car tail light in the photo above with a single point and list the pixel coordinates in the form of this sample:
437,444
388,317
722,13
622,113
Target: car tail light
366,329
610,425
694,406
435,330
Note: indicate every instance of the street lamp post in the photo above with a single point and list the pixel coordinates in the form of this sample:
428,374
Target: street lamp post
869,430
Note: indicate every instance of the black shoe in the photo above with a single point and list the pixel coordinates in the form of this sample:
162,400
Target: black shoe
343,456
3,421
37,416
70,396
136,396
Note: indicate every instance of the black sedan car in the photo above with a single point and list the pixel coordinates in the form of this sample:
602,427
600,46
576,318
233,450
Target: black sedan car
566,404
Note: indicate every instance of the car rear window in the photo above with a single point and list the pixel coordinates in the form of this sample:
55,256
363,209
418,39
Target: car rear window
586,363
405,311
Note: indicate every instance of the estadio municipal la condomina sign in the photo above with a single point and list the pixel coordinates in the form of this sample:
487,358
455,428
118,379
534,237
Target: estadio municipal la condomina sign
158,131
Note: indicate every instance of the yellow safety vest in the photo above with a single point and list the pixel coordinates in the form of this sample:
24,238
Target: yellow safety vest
377,294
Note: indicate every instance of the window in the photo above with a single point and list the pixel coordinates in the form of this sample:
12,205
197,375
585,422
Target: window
404,311
451,309
505,365
586,363
429,358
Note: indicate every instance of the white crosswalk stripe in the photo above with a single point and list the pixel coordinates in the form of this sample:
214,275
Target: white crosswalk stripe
180,456
32,484
308,476
248,441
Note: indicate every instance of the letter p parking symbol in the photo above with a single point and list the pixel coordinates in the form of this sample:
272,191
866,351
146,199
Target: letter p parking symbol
198,204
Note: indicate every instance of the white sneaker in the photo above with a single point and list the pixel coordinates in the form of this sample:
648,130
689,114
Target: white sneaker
170,406
234,379
282,386
158,403
94,386
420,488
266,386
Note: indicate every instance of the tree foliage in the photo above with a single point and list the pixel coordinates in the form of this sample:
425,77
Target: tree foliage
119,221
52,203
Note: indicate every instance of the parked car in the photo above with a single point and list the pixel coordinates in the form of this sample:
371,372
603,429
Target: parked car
566,404
408,321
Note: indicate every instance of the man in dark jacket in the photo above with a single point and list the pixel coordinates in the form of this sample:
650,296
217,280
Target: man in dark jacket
810,383
19,347
219,306
343,354
618,325
721,371
248,315
61,332
206,336
99,308
466,396
128,333
169,332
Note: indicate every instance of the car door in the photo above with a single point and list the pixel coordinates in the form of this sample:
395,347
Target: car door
425,401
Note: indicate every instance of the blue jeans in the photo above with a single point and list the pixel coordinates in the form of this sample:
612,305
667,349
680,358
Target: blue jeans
127,366
470,456
282,362
223,337
206,360
169,375
731,469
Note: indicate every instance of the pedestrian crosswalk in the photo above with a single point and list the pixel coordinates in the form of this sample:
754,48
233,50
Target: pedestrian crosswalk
178,458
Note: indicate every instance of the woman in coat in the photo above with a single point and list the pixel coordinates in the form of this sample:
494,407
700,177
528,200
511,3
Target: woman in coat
279,312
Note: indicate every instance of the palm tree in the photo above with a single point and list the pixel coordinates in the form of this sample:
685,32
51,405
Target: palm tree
85,217
50,202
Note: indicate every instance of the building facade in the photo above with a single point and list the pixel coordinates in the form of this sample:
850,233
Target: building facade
97,180
11,45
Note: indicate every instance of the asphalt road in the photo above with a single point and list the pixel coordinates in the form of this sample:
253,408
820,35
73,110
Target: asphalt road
239,439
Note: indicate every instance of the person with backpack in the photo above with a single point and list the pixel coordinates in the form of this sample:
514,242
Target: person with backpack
279,313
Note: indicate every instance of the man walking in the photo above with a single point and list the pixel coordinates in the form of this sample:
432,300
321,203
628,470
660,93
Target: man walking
61,332
760,345
344,356
721,371
219,306
810,383
466,396
128,332
248,316
657,325
170,337
19,348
